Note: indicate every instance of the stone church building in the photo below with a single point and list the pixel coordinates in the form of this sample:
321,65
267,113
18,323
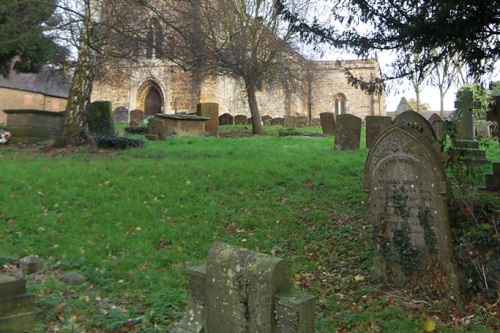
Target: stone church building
155,85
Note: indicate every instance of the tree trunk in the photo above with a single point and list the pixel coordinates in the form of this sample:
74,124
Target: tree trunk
75,120
257,127
441,103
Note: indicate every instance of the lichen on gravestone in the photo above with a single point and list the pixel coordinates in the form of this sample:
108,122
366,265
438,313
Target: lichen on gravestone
408,200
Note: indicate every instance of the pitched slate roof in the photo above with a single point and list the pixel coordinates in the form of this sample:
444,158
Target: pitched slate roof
48,82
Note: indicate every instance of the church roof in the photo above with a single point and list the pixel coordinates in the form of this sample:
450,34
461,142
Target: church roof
48,82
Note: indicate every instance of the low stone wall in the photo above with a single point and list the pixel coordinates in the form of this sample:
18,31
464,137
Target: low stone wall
26,126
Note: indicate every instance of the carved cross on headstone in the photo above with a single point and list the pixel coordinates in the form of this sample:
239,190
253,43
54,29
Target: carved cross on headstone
466,106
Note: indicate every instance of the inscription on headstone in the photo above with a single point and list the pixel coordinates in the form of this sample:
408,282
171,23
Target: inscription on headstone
242,291
327,123
347,132
408,199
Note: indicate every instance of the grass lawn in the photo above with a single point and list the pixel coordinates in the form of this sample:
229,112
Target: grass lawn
132,221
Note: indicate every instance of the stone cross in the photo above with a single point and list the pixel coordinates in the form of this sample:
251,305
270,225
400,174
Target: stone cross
242,291
466,106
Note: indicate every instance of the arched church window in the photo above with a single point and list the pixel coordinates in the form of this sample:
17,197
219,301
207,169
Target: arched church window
340,104
154,39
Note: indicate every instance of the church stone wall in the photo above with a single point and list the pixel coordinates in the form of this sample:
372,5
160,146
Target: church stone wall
328,80
181,91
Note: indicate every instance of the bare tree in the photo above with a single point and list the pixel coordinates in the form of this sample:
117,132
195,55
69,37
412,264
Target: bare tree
443,75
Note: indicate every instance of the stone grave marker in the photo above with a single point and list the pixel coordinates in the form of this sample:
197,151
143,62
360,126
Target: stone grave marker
466,107
415,121
403,106
211,111
280,121
327,123
240,119
242,291
409,206
226,119
375,125
136,117
17,310
267,120
156,130
437,124
348,132
483,129
120,115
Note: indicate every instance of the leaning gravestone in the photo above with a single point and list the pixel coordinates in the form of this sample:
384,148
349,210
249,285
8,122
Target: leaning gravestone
348,132
483,129
409,205
375,125
120,115
327,120
211,111
242,291
136,117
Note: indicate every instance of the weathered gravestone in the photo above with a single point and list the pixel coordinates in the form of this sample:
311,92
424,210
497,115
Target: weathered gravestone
492,180
327,123
416,122
467,149
348,132
466,108
483,129
280,121
242,291
17,311
211,111
156,130
240,119
409,205
267,120
403,106
136,117
437,124
226,119
375,125
120,115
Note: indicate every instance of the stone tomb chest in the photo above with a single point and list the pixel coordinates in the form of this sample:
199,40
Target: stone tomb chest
183,124
408,200
27,126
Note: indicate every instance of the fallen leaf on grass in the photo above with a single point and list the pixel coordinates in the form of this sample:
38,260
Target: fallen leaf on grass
58,308
429,324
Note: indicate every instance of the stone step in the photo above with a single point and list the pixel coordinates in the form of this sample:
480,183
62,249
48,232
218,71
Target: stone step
467,144
20,323
16,304
468,153
11,286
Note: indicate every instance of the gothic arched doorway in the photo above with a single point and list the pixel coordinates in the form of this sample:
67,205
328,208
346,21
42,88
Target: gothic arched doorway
152,103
